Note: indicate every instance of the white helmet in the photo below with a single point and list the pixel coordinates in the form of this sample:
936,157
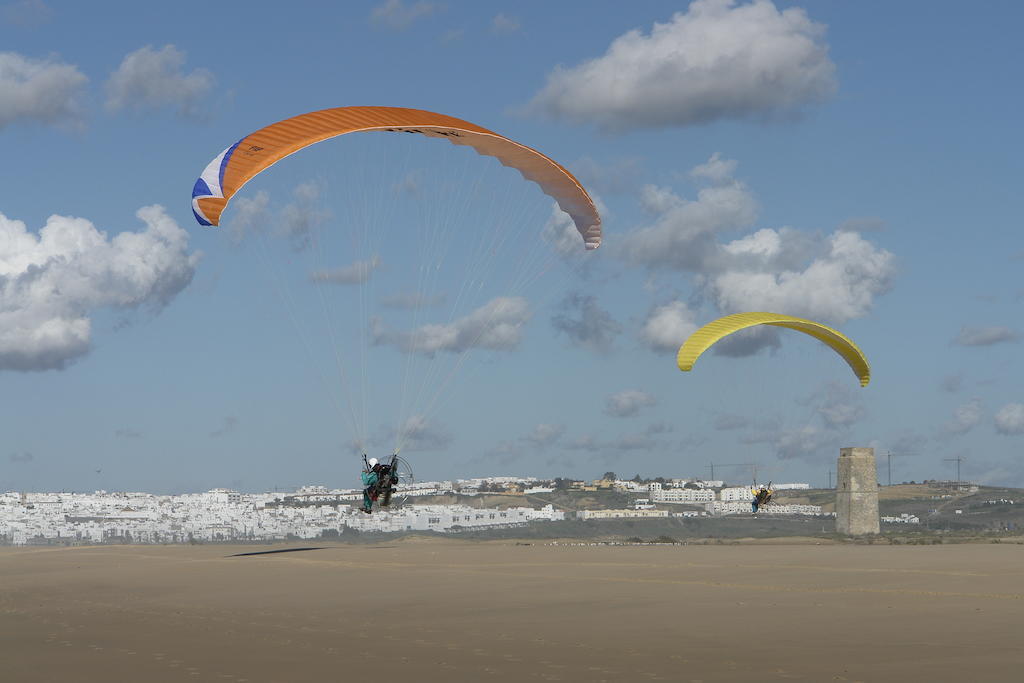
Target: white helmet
373,462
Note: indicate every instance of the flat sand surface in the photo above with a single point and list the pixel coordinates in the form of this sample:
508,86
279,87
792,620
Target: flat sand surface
440,610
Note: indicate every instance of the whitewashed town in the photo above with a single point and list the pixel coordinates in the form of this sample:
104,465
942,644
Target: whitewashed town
223,515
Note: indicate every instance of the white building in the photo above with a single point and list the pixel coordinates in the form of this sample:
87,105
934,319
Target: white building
904,518
614,514
735,493
738,507
221,515
774,509
691,496
224,496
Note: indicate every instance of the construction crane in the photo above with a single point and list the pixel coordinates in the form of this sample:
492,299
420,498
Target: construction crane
958,459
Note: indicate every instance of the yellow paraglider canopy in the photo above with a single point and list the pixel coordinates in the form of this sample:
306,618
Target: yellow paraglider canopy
706,337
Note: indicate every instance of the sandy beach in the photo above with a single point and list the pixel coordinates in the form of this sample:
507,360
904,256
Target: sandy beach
433,610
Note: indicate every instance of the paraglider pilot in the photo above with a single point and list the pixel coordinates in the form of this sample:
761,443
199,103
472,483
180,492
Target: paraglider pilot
371,479
761,497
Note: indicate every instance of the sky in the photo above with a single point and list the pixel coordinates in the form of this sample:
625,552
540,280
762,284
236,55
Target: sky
858,164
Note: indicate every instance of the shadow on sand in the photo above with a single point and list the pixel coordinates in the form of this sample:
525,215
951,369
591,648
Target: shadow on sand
272,552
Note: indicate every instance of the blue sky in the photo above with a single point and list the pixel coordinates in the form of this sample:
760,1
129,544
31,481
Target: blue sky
856,163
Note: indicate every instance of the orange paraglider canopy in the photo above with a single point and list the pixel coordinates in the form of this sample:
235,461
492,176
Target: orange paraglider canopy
238,164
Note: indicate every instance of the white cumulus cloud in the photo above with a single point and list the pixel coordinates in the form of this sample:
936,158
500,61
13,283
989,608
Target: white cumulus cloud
153,79
228,425
838,405
39,90
612,449
503,23
544,435
617,176
716,169
838,285
540,438
586,323
354,273
730,421
26,13
628,403
52,283
985,336
396,15
496,326
250,215
1010,419
718,60
833,277
301,217
965,418
668,326
952,383
808,441
684,233
297,221
417,434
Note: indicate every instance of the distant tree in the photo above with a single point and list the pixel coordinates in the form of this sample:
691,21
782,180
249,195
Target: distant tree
637,479
562,484
609,476
484,487
661,480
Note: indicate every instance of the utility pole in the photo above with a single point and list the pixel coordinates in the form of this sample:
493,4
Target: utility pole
830,479
889,455
957,460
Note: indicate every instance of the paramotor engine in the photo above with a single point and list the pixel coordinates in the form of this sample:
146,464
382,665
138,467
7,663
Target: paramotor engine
394,477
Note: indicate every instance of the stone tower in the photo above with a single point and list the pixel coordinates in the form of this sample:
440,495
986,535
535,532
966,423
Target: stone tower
857,492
